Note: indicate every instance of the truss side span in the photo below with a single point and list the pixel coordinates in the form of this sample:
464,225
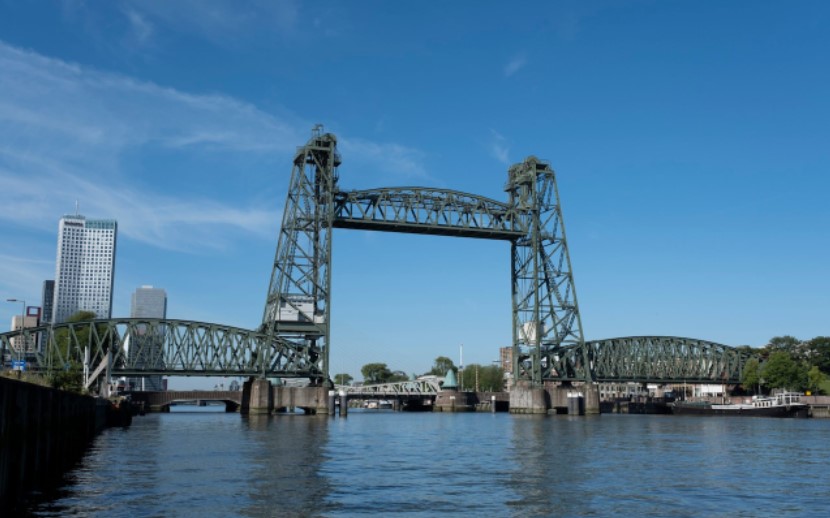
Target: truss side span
143,347
667,359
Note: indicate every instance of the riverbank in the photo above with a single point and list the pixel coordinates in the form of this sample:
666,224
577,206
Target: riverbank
43,432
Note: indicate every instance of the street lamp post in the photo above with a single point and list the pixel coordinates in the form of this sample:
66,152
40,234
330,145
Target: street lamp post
22,327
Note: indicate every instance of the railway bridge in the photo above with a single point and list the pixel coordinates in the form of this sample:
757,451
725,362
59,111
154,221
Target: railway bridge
293,339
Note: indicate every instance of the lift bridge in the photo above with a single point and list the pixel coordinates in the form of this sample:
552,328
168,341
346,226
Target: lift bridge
293,340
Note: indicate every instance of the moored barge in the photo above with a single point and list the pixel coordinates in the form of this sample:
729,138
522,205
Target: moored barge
786,404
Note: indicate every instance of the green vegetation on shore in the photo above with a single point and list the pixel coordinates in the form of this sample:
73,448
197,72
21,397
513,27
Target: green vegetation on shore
789,363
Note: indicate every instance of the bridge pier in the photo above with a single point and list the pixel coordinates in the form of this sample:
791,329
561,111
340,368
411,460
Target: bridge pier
555,399
257,397
525,399
312,400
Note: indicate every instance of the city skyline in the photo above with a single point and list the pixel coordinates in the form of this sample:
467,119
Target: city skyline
688,142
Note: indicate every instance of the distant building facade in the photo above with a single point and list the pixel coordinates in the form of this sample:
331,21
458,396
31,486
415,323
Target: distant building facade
147,349
47,299
29,319
85,267
148,302
506,359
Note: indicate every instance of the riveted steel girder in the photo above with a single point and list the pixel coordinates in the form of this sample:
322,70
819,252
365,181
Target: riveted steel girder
657,359
661,358
428,387
144,347
419,210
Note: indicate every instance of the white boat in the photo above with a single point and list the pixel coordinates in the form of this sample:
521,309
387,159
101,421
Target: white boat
785,404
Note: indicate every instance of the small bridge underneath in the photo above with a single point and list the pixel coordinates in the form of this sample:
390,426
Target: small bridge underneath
161,401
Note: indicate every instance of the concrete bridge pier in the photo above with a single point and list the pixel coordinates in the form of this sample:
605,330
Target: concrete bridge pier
257,397
525,399
311,400
575,400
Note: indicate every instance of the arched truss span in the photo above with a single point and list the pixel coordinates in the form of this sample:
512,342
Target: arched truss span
421,210
663,359
143,347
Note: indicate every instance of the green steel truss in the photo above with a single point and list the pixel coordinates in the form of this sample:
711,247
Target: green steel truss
144,347
545,311
294,337
297,304
419,210
658,359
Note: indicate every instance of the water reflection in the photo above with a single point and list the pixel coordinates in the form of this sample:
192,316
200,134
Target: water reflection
216,464
285,475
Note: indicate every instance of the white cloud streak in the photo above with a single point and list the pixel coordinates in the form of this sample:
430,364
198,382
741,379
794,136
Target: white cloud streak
514,65
64,132
224,22
142,30
73,133
399,163
498,147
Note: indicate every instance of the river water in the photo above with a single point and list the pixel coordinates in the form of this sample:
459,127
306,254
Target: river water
380,463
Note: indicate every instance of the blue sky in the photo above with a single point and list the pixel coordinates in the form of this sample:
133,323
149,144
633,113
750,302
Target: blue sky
690,141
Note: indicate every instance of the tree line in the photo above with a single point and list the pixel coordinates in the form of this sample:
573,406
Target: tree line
473,377
788,363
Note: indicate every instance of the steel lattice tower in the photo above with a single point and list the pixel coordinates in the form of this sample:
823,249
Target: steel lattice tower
546,320
297,306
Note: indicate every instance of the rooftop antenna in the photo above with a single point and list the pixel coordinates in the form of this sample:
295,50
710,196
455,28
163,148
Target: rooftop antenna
76,207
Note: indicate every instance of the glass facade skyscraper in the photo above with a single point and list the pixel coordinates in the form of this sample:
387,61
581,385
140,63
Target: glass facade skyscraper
149,302
147,349
85,267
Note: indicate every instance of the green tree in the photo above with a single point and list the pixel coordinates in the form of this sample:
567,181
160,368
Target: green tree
815,379
374,373
441,366
68,370
783,343
343,379
782,371
751,379
396,376
819,353
489,377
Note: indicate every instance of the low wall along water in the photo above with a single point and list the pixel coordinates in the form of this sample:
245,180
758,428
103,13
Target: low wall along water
43,432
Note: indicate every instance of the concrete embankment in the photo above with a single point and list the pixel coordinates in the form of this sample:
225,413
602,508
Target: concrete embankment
819,405
43,432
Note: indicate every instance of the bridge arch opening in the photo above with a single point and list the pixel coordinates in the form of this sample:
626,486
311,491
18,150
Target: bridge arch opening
404,300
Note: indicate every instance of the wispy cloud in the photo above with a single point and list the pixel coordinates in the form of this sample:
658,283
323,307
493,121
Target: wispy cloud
70,133
20,277
65,133
140,28
498,147
223,22
514,65
391,160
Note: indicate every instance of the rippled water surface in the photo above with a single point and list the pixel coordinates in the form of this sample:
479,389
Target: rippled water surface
377,463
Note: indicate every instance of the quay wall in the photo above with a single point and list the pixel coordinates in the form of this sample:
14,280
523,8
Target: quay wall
43,432
819,405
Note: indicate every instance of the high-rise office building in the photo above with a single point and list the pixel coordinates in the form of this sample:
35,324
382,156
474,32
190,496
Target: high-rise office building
47,298
85,269
146,348
149,302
